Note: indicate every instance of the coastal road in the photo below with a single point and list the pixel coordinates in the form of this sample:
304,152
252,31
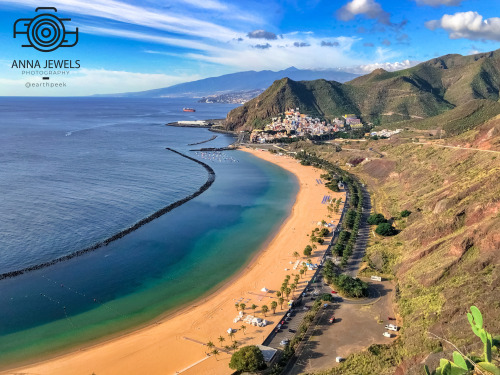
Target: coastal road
354,263
322,342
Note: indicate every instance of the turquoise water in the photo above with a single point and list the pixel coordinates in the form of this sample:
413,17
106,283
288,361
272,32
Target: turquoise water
165,264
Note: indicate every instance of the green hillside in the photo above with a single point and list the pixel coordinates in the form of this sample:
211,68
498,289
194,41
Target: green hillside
432,88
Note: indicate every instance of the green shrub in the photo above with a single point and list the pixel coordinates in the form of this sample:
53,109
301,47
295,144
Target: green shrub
376,219
385,229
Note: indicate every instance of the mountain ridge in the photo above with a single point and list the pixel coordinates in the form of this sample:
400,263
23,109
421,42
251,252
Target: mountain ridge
234,82
428,89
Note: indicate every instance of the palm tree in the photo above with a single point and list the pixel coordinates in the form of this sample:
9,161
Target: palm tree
231,335
243,328
253,307
265,309
301,272
287,278
235,345
221,339
296,254
215,352
288,291
237,305
242,307
278,294
304,268
227,347
281,300
283,288
293,287
309,261
274,304
296,278
210,345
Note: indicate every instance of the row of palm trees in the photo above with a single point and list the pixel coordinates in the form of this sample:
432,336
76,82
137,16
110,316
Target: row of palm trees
264,308
285,290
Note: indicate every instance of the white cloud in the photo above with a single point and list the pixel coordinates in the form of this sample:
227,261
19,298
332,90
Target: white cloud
468,25
389,66
152,18
369,8
178,42
206,4
436,3
262,34
282,54
92,81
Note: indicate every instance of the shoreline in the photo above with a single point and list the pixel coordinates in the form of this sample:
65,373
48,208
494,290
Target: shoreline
162,211
131,351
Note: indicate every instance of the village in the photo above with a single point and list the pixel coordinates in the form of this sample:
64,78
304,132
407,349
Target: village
293,124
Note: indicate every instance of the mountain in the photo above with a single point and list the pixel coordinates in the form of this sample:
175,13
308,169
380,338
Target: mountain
446,255
242,81
429,89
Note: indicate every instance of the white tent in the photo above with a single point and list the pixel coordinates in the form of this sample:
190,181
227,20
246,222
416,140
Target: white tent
265,290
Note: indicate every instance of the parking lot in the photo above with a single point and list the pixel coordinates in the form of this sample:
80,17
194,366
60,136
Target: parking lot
357,325
292,323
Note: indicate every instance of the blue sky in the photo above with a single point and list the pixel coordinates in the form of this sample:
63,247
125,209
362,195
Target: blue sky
138,45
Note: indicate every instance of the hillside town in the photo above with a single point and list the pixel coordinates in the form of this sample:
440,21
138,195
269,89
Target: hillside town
294,124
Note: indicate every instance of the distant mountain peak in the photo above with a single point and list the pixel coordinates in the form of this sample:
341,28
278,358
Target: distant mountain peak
241,81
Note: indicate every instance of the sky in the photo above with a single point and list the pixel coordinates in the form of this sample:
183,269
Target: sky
129,46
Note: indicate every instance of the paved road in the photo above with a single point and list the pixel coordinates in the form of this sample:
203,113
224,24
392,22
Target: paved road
354,263
307,351
297,315
456,147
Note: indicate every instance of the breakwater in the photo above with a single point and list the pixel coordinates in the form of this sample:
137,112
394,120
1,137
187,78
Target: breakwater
205,141
210,180
216,149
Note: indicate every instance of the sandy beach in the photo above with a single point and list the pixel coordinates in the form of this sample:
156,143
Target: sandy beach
175,344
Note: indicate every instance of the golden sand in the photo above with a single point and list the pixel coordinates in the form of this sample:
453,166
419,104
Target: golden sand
176,343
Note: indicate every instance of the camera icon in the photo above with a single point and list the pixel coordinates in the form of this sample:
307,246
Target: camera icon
46,32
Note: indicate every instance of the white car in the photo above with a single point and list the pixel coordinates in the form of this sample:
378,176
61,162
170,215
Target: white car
339,359
284,342
391,327
387,334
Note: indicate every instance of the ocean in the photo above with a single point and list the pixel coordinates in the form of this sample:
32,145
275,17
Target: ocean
74,171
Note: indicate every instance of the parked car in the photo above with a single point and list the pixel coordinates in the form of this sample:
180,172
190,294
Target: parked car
387,334
391,327
332,319
338,359
284,342
292,330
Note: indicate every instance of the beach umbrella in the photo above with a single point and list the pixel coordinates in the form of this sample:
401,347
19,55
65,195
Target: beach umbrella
265,290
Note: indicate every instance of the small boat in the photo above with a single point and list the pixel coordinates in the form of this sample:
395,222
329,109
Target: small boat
189,109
